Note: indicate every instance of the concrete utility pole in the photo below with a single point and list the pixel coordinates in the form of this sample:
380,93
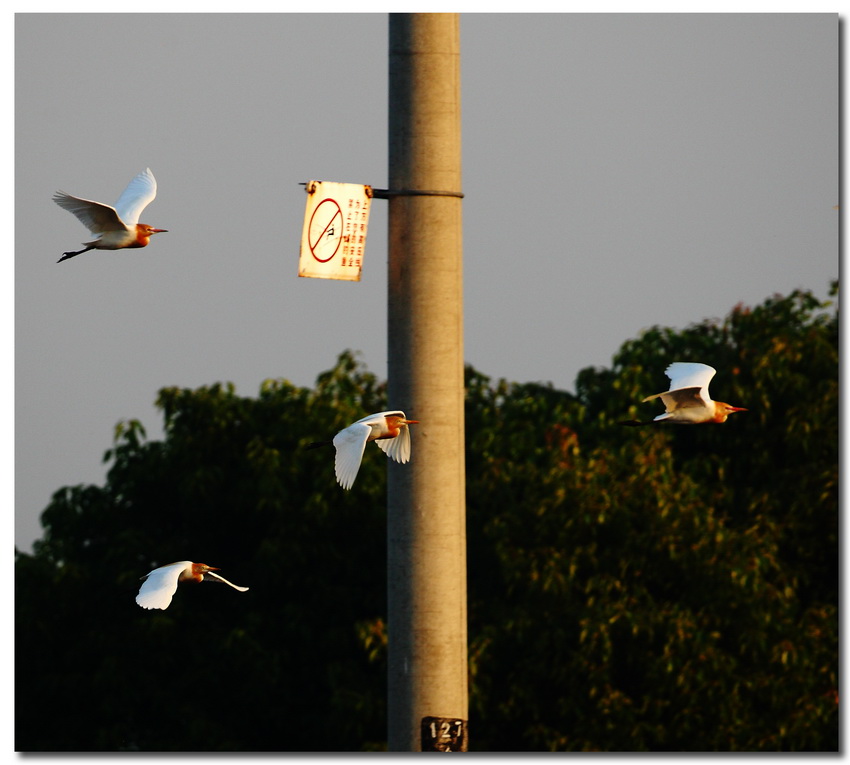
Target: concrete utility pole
427,683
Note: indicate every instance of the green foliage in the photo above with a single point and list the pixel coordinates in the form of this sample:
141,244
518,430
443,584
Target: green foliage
662,589
658,589
230,485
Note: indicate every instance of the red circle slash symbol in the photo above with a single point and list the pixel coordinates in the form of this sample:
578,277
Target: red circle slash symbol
325,232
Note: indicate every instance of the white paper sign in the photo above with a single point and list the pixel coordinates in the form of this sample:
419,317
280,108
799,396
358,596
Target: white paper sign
334,235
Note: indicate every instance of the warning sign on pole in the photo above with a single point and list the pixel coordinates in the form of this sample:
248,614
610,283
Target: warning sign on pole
334,235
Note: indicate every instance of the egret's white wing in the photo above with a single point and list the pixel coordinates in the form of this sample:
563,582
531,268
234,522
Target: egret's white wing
393,413
161,584
379,417
140,192
689,381
222,579
397,448
683,398
688,374
96,217
350,443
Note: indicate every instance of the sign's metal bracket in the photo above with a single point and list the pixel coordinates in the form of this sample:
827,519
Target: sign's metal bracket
387,193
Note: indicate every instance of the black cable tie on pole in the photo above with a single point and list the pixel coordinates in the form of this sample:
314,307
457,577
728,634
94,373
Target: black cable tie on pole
387,193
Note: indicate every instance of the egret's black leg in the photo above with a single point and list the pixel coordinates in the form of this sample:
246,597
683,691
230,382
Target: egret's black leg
66,255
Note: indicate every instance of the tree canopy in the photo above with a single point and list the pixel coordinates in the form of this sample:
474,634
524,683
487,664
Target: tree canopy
646,589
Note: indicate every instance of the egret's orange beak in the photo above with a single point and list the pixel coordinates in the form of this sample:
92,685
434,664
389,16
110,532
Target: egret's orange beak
159,230
738,409
411,422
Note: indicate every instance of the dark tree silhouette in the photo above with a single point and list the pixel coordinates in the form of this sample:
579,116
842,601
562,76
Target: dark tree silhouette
663,589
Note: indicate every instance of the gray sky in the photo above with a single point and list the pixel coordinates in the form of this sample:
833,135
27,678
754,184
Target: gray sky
620,171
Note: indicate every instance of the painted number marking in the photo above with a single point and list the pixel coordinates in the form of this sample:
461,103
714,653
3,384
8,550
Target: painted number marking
443,734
